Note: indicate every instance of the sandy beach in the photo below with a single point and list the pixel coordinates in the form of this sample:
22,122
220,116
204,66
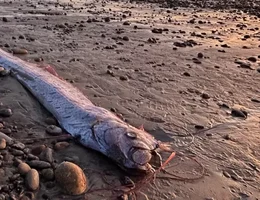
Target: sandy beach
189,74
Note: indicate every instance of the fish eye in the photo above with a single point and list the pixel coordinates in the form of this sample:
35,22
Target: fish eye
131,135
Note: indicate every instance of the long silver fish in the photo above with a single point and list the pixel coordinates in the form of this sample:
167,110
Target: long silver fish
95,127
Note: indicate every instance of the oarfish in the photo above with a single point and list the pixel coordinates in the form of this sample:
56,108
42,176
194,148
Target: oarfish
95,127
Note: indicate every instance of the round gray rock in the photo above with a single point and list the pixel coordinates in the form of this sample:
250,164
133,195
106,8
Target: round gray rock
54,130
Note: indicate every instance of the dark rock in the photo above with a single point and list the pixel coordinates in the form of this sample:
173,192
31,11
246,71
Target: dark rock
32,157
38,149
252,59
205,96
54,130
255,100
6,112
157,30
186,74
48,174
61,145
5,19
16,152
123,78
19,146
200,127
107,19
238,113
39,164
200,55
125,38
47,155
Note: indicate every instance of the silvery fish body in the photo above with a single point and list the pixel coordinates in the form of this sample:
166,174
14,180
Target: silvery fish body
95,127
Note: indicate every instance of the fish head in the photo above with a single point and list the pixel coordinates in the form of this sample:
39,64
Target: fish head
137,147
133,149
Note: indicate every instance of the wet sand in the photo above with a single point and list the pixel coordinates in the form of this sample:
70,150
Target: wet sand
176,71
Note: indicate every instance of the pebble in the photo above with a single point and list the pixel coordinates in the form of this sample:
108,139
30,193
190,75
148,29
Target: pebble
125,38
200,55
19,146
20,51
6,112
255,100
196,61
2,143
14,177
54,130
126,23
23,168
238,113
226,174
61,145
75,181
38,59
48,174
200,127
157,30
17,162
5,19
107,19
38,164
32,180
252,59
186,74
50,121
6,131
16,152
205,96
123,78
47,155
38,149
74,159
32,157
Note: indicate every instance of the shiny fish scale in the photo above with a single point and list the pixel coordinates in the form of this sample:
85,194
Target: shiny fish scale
95,127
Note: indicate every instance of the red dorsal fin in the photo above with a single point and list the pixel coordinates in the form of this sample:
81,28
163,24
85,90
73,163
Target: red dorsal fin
51,70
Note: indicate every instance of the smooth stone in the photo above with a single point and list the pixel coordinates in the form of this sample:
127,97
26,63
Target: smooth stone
38,164
7,112
32,157
71,178
47,155
23,168
20,51
38,150
238,113
32,180
48,174
16,152
2,143
61,145
54,130
19,146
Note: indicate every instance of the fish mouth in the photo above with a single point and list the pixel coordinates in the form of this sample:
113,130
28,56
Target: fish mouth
144,160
